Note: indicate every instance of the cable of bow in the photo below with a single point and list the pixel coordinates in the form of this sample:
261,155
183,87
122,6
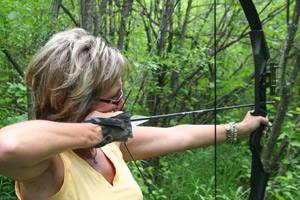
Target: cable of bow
259,177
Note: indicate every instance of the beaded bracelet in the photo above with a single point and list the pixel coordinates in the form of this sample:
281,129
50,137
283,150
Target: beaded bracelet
233,133
228,132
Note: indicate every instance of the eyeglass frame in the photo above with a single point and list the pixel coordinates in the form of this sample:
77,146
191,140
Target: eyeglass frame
112,101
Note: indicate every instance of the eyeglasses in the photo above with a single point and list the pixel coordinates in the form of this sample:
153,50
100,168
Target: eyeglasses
116,100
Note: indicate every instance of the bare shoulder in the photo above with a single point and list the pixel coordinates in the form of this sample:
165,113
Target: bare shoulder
45,185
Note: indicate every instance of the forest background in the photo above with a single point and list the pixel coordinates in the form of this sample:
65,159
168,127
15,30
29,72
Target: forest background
179,76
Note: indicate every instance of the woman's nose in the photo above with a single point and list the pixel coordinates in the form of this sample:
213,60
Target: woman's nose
121,105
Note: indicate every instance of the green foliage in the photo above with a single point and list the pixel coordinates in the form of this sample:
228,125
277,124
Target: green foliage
190,175
176,81
13,104
288,185
7,189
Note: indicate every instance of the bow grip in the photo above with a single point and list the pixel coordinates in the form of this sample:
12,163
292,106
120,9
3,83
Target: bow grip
257,169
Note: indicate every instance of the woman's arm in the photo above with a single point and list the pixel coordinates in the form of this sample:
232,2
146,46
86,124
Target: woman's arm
26,147
148,142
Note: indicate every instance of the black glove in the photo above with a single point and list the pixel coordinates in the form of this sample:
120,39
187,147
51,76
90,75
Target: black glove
116,128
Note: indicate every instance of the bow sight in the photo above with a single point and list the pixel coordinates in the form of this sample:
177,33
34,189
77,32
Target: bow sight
271,78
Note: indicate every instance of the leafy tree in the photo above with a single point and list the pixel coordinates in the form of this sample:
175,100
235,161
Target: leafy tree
178,77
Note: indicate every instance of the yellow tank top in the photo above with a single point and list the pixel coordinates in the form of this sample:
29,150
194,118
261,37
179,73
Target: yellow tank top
82,182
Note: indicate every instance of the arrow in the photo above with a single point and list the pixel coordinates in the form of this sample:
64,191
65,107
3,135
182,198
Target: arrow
139,119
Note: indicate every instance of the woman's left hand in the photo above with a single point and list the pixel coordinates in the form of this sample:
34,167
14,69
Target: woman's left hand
250,123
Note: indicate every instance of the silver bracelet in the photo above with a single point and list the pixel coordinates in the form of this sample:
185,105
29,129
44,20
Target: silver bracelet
233,133
228,132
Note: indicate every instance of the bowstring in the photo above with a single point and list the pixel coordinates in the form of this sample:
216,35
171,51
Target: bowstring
134,83
215,91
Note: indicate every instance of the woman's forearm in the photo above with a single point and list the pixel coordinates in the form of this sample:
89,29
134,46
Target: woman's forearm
28,143
196,136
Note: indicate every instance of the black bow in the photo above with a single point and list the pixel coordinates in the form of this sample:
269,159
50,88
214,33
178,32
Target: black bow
263,79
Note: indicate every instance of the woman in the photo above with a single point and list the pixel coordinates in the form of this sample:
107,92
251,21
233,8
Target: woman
74,78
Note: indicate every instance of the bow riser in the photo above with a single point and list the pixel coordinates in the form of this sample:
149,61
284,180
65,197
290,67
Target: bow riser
261,56
259,177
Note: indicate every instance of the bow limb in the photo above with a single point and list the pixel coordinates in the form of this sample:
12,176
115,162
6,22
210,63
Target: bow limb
259,177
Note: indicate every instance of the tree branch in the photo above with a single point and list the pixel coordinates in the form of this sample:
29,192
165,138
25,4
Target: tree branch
274,161
12,60
77,24
285,88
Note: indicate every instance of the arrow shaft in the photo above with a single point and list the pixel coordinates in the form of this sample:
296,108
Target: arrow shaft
196,112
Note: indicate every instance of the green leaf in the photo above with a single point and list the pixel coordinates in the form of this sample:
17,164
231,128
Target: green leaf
12,15
277,98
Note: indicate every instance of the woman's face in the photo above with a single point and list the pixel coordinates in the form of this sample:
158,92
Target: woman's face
103,103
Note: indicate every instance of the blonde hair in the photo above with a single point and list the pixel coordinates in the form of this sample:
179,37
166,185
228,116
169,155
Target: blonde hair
69,73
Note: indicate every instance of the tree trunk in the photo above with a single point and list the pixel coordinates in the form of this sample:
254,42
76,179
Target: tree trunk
99,14
111,22
163,26
55,11
185,23
126,10
285,88
87,8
